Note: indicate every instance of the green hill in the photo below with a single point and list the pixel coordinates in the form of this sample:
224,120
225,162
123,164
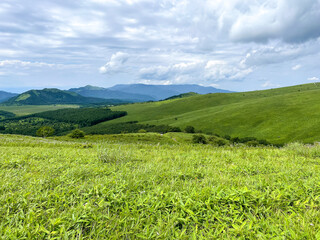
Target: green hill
183,95
54,96
277,115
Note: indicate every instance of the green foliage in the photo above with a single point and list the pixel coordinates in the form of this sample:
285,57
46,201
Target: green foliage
30,125
55,189
199,139
189,129
5,114
142,131
45,131
62,120
77,133
82,116
217,141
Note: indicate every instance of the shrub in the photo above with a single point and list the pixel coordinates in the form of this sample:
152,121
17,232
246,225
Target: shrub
142,131
189,129
219,142
45,131
199,139
77,133
252,143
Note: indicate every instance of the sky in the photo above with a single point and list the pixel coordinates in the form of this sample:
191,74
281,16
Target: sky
239,45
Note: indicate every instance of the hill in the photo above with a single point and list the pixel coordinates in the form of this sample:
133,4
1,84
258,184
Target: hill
92,91
277,115
4,96
160,92
182,95
54,96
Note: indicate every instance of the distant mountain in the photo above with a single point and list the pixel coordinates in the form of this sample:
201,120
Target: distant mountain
182,95
4,96
53,96
92,91
160,92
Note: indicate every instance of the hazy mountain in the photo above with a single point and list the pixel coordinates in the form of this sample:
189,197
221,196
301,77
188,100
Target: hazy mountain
53,96
92,91
4,96
160,92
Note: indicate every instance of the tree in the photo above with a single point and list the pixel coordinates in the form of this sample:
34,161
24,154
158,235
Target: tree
189,129
45,131
199,139
77,133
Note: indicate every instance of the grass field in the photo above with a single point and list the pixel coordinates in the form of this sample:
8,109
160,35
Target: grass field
112,188
30,109
278,115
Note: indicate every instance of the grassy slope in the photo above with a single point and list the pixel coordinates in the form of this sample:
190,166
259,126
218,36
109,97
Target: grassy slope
30,109
278,115
94,189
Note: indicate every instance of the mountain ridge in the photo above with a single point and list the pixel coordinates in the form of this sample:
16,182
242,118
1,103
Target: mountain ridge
4,96
49,96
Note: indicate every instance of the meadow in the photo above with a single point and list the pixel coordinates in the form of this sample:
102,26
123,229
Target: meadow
21,110
153,186
278,115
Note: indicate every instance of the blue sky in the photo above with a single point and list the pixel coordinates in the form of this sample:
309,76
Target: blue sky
239,45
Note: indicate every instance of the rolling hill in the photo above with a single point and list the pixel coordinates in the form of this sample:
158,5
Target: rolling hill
4,96
54,96
182,95
277,115
160,92
92,91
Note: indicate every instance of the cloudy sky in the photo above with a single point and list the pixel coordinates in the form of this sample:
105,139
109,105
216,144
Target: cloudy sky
239,45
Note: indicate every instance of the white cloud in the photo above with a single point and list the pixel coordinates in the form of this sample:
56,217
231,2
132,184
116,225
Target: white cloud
27,65
273,55
115,64
202,42
296,67
313,79
208,71
24,63
269,84
289,20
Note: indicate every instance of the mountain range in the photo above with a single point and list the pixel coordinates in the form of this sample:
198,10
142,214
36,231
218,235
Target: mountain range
91,94
49,96
143,92
4,96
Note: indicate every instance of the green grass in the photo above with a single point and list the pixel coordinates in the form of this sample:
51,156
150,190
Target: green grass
277,115
31,109
102,188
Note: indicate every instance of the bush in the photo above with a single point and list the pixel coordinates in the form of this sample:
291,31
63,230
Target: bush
199,139
77,133
189,129
142,131
219,142
45,131
252,143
